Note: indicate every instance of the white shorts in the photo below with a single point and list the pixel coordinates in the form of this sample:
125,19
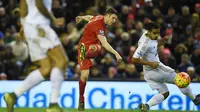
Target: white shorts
157,78
38,46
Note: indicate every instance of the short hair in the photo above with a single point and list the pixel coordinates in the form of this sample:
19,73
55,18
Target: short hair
152,25
111,11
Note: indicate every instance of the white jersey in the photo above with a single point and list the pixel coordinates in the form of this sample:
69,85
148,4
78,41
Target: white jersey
34,16
156,78
147,50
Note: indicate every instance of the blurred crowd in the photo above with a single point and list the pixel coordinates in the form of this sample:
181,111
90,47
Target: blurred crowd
179,21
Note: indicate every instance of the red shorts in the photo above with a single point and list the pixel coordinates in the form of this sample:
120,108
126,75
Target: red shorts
87,63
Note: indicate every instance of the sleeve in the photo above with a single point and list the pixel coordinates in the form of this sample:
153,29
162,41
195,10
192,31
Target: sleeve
142,49
99,31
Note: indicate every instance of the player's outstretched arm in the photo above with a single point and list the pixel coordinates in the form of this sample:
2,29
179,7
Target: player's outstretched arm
23,13
23,10
86,18
108,47
163,41
48,14
143,62
41,7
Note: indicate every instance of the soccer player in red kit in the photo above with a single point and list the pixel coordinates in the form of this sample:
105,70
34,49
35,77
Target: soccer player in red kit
90,46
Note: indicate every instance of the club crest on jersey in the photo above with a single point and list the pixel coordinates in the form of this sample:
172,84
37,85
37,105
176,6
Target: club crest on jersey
101,32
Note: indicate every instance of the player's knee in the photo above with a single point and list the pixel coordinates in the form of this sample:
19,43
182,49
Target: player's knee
45,67
98,47
62,64
166,94
95,48
45,71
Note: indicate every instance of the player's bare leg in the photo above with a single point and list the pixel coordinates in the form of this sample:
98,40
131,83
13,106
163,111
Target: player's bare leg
57,76
93,51
82,84
38,76
156,99
188,92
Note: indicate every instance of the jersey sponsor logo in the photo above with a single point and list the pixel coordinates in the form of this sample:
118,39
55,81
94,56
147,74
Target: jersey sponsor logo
101,32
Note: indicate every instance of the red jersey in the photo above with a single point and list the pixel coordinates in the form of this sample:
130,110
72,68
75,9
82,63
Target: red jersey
95,27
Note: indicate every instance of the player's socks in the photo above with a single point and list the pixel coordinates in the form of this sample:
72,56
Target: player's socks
32,80
156,99
81,90
56,78
188,92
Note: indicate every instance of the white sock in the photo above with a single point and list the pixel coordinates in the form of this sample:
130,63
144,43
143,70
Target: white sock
156,99
188,92
57,77
32,80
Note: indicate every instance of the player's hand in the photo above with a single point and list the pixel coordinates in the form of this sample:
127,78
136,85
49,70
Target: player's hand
21,32
166,38
119,58
120,61
59,22
154,65
78,19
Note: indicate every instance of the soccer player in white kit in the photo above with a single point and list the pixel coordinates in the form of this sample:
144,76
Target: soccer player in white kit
156,73
44,48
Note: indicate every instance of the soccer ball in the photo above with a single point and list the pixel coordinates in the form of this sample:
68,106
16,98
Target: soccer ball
182,80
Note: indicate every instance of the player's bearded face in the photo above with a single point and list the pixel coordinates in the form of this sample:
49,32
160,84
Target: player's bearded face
112,19
155,33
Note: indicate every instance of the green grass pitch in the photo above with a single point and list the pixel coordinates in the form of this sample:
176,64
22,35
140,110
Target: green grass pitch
89,110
